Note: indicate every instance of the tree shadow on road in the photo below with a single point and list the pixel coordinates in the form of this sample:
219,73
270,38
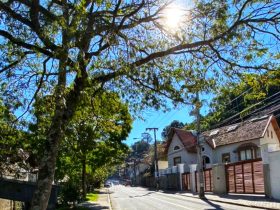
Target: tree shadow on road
94,206
215,206
141,195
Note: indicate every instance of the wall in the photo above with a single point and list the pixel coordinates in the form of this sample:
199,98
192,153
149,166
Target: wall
273,140
23,191
274,158
208,152
186,157
162,164
219,179
217,154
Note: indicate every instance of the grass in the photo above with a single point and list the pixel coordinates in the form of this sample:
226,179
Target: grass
92,196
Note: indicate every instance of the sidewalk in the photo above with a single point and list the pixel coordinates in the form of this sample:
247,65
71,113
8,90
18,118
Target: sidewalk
252,200
102,203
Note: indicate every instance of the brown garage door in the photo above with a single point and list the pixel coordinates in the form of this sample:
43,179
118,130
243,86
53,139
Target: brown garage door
245,177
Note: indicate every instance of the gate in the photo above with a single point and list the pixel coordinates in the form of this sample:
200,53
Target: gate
173,181
208,180
186,181
245,177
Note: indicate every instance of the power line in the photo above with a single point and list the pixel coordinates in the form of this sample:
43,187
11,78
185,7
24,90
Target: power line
237,114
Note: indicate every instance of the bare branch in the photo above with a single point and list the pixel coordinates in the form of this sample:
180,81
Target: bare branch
39,86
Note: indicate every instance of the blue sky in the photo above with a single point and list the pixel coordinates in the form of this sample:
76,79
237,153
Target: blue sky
159,119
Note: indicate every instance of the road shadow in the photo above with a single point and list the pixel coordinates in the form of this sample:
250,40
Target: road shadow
250,197
93,206
215,206
141,195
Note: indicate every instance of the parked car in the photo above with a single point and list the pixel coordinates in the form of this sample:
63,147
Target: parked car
107,184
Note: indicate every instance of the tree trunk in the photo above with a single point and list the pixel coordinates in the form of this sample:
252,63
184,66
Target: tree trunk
65,108
47,165
84,186
54,136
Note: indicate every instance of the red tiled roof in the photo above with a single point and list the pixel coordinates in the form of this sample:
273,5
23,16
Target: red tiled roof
186,137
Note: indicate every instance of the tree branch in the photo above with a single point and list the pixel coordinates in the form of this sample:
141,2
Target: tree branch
16,62
37,89
21,43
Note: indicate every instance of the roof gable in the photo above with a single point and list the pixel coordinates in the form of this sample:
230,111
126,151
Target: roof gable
186,137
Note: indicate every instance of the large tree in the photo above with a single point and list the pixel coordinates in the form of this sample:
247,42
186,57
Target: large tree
105,120
47,46
97,124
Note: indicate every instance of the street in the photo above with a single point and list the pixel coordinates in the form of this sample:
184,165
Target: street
137,198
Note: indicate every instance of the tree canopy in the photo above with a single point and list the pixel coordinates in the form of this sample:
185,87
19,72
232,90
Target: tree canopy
93,138
255,95
124,46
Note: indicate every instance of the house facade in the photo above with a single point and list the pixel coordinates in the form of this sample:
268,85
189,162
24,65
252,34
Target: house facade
239,158
238,142
182,147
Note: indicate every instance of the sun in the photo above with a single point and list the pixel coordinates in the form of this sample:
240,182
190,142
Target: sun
173,17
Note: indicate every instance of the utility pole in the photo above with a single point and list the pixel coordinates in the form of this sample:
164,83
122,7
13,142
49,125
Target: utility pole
134,171
155,155
198,148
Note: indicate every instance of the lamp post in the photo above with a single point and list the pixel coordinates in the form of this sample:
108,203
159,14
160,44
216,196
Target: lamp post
155,156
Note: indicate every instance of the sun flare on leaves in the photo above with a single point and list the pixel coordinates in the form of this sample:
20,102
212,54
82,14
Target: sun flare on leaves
173,18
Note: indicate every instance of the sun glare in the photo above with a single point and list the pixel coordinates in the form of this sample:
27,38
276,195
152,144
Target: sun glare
174,17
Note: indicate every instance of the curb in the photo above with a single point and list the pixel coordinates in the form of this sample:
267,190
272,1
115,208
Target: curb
228,202
109,199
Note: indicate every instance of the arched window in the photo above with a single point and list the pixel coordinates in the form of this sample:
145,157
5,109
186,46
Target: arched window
206,160
176,148
247,151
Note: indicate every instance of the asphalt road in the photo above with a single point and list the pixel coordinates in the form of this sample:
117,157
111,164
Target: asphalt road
137,198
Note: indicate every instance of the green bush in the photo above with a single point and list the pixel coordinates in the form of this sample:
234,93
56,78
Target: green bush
70,193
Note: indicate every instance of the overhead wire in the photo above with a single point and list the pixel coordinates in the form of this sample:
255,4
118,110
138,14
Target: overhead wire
250,113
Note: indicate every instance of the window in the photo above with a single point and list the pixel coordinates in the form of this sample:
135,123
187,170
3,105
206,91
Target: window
232,128
247,154
205,160
202,149
215,132
226,157
248,151
176,148
177,160
271,134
